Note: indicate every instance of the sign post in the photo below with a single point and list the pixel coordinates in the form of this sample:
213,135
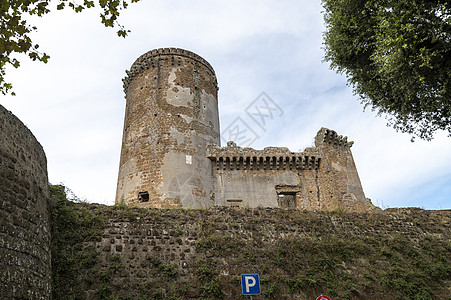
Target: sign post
250,284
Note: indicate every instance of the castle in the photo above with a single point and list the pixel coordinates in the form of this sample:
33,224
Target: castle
171,154
119,252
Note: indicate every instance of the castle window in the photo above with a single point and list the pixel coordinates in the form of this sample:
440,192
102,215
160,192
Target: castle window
143,197
287,200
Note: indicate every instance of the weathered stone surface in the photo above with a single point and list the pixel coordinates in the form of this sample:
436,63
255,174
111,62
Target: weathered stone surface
24,219
153,244
171,116
323,177
171,127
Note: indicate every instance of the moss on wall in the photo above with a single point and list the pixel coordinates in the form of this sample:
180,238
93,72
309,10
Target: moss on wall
102,252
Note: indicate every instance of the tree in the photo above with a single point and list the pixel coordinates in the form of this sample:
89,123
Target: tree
15,29
397,56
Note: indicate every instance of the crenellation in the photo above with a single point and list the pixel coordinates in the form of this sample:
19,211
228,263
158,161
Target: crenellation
270,158
327,136
149,60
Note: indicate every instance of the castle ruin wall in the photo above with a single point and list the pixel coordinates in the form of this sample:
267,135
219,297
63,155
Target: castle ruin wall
24,216
338,181
171,154
323,177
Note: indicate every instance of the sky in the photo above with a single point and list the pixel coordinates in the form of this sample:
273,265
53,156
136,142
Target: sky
75,104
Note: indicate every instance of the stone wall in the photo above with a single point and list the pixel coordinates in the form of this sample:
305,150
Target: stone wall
199,254
338,182
24,218
246,177
323,177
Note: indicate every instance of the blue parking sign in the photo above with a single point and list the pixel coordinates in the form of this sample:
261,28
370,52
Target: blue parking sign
250,284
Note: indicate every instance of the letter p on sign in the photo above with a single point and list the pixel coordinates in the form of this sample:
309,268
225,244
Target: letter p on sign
250,284
249,281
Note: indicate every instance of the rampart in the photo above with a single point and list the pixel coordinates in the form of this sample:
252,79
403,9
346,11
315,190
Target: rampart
24,215
135,253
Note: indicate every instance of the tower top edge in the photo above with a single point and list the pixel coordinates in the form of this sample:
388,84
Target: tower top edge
172,51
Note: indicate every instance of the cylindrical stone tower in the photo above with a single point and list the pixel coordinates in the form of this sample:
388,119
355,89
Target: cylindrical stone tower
171,116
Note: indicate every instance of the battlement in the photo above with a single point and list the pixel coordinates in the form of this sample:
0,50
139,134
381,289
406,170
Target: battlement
329,136
150,59
233,157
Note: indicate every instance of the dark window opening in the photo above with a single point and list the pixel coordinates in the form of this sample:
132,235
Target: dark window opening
287,200
143,197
